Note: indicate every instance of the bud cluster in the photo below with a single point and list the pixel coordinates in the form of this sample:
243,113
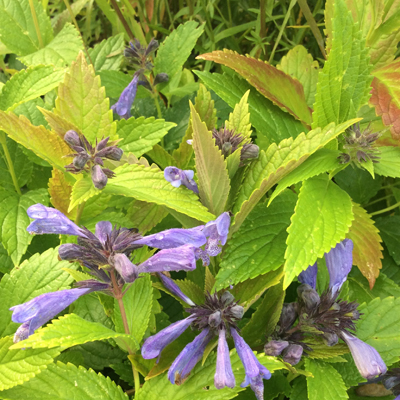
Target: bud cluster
88,158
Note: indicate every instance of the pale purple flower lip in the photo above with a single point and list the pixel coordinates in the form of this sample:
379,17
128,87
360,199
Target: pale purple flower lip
124,104
178,177
174,288
223,375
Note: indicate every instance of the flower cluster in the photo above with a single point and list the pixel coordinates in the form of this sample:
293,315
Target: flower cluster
216,317
325,317
88,158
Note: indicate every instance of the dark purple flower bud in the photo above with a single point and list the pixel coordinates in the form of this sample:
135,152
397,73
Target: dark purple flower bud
275,347
99,178
223,375
102,144
177,259
175,237
339,261
309,276
112,153
249,151
160,78
154,345
292,354
50,220
108,173
70,252
99,161
36,312
237,312
227,298
226,148
153,46
288,316
94,285
127,270
189,357
72,138
366,358
123,106
80,160
174,288
330,339
309,296
254,370
214,319
103,231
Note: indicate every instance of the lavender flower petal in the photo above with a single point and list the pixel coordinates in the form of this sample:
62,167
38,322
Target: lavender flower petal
189,357
50,220
309,276
174,175
179,258
339,261
103,230
128,271
223,374
124,104
174,288
366,358
154,345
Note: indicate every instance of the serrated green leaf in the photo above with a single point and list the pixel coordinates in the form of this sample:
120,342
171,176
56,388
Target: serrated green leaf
108,54
299,64
17,27
214,183
322,218
276,162
269,120
321,161
68,331
63,381
161,157
344,82
389,162
259,245
29,84
145,216
326,382
239,119
115,82
389,231
148,184
18,366
140,135
82,101
42,273
6,264
174,51
275,85
14,220
82,190
299,389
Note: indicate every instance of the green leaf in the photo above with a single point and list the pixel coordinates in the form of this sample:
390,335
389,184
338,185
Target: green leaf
138,301
389,162
321,161
239,120
29,84
56,52
275,85
269,120
214,183
276,162
148,184
6,264
82,101
108,54
344,82
18,366
259,245
326,382
389,230
161,157
115,82
299,389
173,53
17,27
65,381
299,64
145,216
82,190
379,327
42,273
322,218
68,331
141,134
14,220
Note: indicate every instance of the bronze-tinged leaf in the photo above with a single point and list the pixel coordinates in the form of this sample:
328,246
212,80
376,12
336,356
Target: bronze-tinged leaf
367,252
58,124
385,96
60,191
276,85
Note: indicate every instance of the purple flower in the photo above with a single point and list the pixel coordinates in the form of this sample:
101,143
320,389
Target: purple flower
179,177
174,288
309,276
128,271
292,354
223,374
275,347
50,220
124,104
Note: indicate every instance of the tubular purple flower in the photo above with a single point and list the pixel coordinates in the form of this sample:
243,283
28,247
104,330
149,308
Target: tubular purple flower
174,289
178,177
217,234
154,345
189,357
223,374
36,312
366,358
254,370
309,276
50,220
124,104
339,261
175,237
124,266
177,259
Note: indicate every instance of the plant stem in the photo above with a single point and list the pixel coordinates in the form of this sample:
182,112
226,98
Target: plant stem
155,97
10,164
380,199
386,209
36,23
123,20
79,212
